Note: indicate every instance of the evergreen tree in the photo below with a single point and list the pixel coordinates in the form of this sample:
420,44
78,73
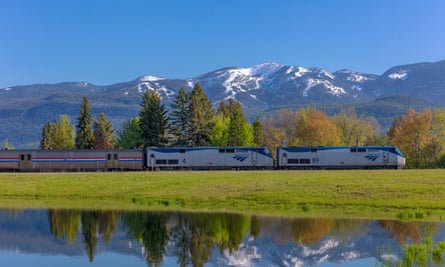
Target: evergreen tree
103,133
130,136
202,116
237,131
180,118
258,133
84,133
153,119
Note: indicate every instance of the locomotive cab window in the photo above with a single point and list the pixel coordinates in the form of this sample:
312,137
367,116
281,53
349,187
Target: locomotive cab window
161,161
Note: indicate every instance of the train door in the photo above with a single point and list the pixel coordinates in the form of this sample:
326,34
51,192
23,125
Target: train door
385,157
254,158
25,161
112,161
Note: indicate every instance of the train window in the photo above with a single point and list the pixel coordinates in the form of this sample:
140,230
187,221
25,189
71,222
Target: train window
292,161
29,156
361,149
173,161
116,157
221,150
182,151
230,150
313,150
315,160
22,157
161,161
353,149
305,161
108,156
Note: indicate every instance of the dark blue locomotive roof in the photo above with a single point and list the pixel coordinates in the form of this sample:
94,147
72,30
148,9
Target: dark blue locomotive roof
391,149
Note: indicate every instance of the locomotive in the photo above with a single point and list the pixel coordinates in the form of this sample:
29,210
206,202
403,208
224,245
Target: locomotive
181,158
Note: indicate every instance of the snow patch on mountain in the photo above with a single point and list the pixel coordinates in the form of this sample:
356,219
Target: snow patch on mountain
150,78
332,89
327,74
297,71
400,75
265,69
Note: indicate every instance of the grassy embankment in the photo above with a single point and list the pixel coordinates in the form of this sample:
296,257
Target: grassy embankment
352,193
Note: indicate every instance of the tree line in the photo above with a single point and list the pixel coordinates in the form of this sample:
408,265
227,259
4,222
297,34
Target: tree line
193,121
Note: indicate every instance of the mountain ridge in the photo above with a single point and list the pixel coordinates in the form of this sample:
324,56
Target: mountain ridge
261,89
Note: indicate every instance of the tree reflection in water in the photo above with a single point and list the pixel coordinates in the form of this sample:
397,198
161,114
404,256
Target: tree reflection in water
197,235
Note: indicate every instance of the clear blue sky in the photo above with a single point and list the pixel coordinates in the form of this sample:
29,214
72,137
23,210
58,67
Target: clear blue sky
108,41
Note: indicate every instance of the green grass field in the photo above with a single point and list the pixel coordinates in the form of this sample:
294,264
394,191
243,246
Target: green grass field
403,194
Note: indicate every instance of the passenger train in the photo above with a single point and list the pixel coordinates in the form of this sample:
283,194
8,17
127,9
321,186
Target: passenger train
183,158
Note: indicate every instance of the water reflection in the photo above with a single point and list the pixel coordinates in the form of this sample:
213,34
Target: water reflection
190,239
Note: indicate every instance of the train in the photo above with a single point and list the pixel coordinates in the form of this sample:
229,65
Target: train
202,158
340,157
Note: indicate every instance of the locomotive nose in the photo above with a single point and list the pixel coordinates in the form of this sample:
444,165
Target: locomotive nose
401,162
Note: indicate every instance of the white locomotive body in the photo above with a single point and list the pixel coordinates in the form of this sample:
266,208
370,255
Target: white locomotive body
340,157
209,158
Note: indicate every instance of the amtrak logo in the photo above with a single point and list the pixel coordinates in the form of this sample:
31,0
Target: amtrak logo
372,157
240,158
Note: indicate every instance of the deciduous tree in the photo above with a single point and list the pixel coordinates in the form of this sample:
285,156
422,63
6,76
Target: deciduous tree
314,128
63,134
130,136
103,133
354,130
412,133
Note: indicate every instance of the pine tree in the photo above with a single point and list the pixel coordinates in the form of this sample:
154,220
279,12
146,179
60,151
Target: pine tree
153,120
103,133
84,133
180,118
202,116
258,133
237,130
130,136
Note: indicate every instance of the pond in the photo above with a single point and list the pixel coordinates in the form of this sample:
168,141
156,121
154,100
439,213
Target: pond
123,238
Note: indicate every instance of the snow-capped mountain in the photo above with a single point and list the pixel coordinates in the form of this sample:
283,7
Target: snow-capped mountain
261,89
